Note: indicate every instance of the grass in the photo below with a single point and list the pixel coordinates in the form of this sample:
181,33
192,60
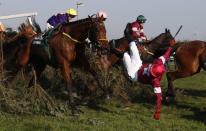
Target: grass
189,113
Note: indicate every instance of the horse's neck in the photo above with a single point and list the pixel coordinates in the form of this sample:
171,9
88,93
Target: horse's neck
15,42
78,30
154,44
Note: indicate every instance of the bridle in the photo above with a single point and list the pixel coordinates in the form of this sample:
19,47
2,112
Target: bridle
97,42
92,36
164,42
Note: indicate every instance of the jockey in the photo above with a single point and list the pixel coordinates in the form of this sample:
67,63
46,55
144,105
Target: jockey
147,73
60,18
137,31
133,32
102,14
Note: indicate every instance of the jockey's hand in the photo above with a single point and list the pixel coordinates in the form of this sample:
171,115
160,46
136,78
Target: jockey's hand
172,42
141,41
48,26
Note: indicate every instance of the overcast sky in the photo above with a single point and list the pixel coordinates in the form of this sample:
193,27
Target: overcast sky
160,14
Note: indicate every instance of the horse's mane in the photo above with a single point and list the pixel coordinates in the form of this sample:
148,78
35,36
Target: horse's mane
81,20
78,21
155,39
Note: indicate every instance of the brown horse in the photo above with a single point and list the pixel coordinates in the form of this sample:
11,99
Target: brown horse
66,48
149,51
195,54
13,50
6,36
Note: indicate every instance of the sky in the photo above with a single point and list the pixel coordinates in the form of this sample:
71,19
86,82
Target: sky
160,14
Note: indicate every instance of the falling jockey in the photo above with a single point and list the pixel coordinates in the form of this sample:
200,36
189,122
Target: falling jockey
147,73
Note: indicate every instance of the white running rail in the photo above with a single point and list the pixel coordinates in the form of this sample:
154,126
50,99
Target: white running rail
18,15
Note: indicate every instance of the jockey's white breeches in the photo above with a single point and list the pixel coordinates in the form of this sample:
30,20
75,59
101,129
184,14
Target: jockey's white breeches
132,61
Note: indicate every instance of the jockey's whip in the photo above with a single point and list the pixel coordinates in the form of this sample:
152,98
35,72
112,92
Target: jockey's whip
178,31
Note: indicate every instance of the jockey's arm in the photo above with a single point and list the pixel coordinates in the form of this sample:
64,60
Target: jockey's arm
135,33
166,56
142,34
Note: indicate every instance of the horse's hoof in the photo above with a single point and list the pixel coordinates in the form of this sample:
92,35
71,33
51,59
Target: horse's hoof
169,100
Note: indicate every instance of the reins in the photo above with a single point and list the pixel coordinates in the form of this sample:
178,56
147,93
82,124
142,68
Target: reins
149,52
67,35
75,40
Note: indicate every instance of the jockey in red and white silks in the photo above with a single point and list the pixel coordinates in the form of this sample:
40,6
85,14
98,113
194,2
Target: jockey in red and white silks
146,73
137,31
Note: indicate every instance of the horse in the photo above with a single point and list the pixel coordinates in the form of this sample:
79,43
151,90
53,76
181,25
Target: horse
149,50
195,54
13,50
6,36
65,48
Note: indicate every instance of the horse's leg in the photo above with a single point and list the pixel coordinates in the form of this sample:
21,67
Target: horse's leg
66,73
38,69
171,76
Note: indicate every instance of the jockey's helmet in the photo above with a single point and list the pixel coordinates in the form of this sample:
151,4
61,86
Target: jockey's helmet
72,12
141,19
157,70
102,14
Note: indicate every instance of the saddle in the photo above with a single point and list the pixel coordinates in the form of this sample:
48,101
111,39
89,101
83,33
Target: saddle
42,41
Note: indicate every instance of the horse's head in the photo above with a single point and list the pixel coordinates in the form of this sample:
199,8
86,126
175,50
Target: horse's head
27,31
92,28
163,41
97,32
157,46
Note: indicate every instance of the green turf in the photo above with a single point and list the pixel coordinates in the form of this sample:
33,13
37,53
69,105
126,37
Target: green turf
188,114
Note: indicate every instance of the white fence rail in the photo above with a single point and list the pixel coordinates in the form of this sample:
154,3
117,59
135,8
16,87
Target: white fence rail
18,15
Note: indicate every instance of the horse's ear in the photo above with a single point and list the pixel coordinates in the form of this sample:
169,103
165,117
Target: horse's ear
101,18
90,17
166,30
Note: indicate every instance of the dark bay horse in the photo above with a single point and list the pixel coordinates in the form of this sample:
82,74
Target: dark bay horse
66,47
13,50
190,58
149,51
